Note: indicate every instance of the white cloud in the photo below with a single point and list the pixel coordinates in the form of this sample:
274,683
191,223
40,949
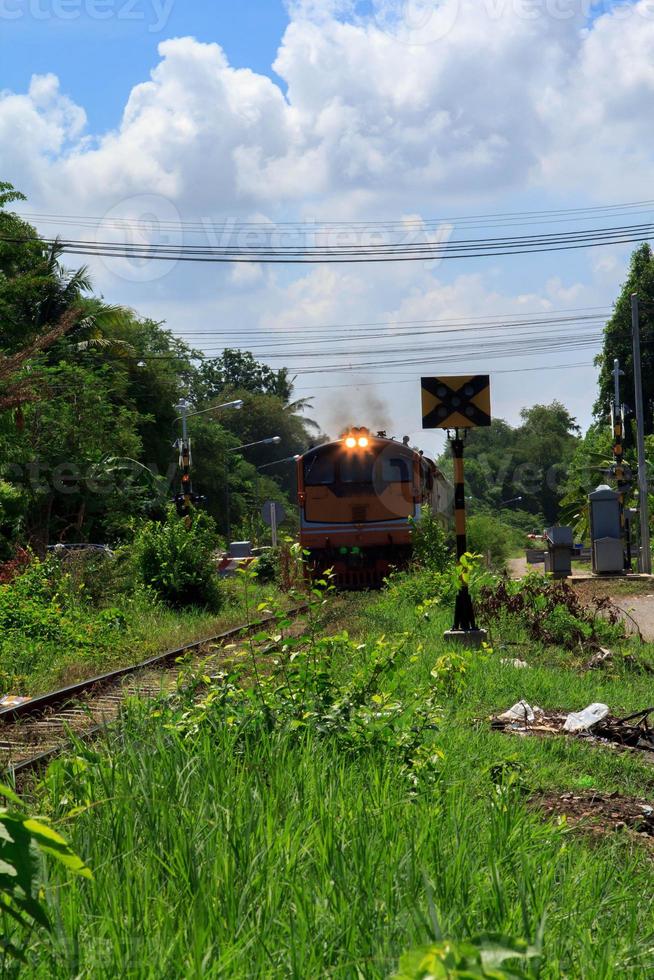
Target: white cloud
484,109
502,101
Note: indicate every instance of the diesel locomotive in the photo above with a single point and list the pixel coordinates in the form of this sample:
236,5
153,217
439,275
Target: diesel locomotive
356,498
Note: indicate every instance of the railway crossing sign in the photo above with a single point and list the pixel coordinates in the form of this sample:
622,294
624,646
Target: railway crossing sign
456,403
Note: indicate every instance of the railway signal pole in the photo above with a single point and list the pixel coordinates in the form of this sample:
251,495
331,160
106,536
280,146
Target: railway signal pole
184,499
464,613
458,404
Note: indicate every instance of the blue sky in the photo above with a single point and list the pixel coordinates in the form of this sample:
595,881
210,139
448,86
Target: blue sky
485,108
99,61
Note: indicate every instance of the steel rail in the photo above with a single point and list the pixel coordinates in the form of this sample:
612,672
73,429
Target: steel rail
39,707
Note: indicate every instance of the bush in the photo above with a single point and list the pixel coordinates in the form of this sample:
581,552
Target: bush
489,537
550,612
44,613
417,587
13,504
177,562
267,565
430,546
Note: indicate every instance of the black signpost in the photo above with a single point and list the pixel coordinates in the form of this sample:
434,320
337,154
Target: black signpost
457,404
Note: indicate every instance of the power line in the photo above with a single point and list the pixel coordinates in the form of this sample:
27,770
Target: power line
413,379
397,252
487,219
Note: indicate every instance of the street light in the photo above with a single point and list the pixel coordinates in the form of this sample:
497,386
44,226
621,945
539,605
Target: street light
274,440
278,462
271,441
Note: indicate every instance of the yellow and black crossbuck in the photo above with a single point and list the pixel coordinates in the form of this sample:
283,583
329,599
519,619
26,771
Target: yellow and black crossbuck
456,403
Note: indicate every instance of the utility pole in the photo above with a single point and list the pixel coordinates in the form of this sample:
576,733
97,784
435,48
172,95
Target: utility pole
621,472
645,561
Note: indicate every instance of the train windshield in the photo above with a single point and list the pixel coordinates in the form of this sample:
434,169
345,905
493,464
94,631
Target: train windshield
395,469
357,468
319,469
330,466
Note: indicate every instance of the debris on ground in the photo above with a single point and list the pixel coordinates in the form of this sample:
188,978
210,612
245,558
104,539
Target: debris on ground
520,664
519,712
594,723
599,811
12,701
583,721
603,658
607,658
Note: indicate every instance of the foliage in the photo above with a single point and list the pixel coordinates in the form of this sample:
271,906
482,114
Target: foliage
418,586
13,505
177,561
618,341
494,956
22,840
267,565
43,612
431,549
238,370
550,611
488,536
503,462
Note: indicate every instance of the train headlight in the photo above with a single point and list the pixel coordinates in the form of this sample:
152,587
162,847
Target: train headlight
350,442
364,442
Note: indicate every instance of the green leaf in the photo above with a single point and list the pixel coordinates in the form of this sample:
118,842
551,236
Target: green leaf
9,793
52,843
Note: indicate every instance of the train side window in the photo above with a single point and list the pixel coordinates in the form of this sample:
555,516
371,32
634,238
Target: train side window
319,470
396,469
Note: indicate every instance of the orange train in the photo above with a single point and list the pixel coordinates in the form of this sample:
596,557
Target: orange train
356,497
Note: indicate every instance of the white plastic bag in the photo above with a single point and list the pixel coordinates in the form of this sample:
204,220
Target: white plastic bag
519,712
582,721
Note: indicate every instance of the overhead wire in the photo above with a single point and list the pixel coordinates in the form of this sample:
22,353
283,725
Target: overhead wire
206,225
395,252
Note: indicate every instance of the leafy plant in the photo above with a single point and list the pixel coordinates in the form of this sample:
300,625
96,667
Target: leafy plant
177,562
490,955
550,611
22,839
431,549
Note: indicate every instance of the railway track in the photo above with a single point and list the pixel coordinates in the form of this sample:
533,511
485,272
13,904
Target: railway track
31,734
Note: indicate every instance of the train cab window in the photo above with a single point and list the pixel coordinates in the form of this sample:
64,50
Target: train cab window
396,469
319,470
357,468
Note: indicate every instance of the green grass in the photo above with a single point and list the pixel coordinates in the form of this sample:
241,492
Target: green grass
70,640
281,855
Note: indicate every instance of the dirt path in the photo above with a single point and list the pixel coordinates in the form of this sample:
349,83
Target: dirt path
639,605
517,567
641,609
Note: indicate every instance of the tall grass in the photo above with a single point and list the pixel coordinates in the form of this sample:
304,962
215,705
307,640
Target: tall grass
279,855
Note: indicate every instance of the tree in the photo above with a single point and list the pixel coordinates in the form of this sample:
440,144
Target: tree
503,462
238,370
618,341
